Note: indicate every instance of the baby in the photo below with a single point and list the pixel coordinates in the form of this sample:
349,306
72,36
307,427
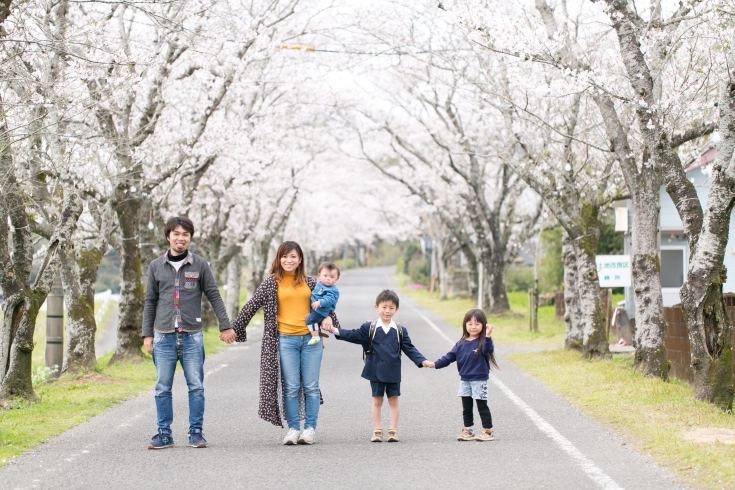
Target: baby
323,298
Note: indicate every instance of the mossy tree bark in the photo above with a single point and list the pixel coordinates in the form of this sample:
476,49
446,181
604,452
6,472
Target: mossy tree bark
78,275
573,334
23,299
703,305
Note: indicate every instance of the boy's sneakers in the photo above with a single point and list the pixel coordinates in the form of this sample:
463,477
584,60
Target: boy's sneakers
485,435
466,435
392,435
292,437
196,439
308,436
377,435
161,441
314,340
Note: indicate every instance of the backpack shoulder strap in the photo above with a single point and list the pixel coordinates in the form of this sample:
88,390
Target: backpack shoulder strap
371,336
399,329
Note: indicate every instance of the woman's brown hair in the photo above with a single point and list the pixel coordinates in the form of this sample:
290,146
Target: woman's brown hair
277,271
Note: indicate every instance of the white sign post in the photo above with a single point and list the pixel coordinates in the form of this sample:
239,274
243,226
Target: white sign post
613,270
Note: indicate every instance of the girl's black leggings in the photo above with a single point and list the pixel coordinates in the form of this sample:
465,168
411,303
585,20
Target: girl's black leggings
485,416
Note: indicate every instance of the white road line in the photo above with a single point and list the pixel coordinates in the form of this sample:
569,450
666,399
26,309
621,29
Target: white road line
587,465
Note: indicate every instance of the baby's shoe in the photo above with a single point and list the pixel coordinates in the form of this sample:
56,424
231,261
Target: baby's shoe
467,434
314,341
392,435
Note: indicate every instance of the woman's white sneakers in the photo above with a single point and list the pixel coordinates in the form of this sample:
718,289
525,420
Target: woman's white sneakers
308,436
292,437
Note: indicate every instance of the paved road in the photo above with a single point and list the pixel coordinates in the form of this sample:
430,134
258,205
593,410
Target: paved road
541,442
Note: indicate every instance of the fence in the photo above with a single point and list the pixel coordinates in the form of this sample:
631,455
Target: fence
676,340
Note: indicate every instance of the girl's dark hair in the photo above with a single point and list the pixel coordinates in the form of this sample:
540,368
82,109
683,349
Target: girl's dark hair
479,316
276,269
181,221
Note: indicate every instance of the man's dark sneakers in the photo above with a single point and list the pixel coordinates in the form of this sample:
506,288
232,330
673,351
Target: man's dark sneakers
161,441
196,439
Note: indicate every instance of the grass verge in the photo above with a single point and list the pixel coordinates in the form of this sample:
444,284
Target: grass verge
70,400
512,328
649,413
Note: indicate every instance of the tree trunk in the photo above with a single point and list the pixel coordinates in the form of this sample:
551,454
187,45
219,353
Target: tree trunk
441,267
650,354
705,312
573,335
594,333
20,320
496,293
24,300
78,275
232,295
129,341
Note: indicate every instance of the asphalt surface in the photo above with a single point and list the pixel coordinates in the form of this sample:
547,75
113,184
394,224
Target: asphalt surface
541,441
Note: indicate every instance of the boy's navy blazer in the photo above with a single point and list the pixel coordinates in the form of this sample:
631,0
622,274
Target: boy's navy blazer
384,364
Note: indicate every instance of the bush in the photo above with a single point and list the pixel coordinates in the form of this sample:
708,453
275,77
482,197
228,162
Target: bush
345,264
551,266
519,278
418,271
412,250
401,265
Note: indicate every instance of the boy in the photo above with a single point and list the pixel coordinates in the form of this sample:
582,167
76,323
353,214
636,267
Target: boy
383,359
323,298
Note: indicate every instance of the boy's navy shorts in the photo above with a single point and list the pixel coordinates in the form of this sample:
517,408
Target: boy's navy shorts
385,389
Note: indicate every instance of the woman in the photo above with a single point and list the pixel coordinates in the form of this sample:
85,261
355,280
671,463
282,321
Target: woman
286,358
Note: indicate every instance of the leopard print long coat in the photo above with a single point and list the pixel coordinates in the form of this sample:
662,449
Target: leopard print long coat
270,406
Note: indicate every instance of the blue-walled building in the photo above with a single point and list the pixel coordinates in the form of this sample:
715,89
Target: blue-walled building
674,248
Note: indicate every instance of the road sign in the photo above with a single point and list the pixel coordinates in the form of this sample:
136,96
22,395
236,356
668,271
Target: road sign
613,270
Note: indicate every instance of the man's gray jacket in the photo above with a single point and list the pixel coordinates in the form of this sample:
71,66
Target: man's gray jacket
195,278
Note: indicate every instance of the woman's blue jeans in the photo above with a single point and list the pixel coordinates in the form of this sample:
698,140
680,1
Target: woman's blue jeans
165,356
300,364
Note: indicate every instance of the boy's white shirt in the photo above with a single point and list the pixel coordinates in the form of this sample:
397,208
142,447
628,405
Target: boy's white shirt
380,323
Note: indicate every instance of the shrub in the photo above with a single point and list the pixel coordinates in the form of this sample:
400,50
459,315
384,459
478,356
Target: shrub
418,271
345,264
401,265
519,278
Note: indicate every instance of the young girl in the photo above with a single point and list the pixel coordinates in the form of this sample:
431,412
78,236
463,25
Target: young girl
474,354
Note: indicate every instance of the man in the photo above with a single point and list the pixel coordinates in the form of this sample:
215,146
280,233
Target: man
172,328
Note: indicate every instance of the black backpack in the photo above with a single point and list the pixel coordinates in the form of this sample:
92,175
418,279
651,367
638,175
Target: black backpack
371,336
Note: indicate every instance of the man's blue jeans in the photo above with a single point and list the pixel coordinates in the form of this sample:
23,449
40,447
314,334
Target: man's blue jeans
165,357
300,364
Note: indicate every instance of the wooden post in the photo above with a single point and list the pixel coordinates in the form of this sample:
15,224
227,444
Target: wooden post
55,326
533,310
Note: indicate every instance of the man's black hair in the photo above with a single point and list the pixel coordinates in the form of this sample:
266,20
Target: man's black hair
181,221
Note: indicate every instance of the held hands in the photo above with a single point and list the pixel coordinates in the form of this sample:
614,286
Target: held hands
227,336
428,364
327,325
488,330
